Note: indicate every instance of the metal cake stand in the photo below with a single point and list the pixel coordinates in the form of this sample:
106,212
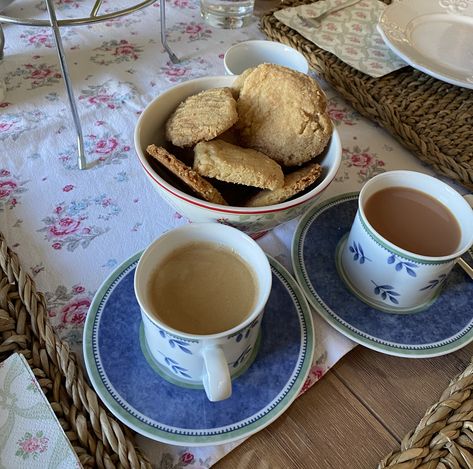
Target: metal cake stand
94,17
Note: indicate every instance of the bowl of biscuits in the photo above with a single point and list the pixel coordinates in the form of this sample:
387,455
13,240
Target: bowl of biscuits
251,151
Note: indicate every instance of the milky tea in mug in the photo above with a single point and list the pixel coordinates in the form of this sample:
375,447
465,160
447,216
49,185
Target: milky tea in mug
407,234
202,289
413,220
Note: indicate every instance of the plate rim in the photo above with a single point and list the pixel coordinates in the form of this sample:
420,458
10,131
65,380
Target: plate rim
304,365
321,308
446,74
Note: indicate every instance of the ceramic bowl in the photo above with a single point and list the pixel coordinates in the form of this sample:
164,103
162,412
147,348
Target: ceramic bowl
252,220
253,53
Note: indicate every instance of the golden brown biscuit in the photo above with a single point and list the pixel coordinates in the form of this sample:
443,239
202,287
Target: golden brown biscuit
283,113
202,117
197,183
237,85
222,160
293,183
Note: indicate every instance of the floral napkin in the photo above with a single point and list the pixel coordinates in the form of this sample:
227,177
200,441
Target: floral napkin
30,434
350,33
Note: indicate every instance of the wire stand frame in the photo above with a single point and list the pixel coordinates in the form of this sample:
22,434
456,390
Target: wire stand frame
94,17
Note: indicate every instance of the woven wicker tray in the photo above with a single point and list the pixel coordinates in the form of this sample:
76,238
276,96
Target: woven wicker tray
431,118
98,439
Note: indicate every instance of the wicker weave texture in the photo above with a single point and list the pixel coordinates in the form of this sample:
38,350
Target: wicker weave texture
98,439
443,438
431,118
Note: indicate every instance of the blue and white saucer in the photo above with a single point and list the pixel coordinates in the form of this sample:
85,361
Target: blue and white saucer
443,327
143,400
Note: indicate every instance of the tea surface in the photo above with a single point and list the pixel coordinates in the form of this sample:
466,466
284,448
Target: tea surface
414,221
202,288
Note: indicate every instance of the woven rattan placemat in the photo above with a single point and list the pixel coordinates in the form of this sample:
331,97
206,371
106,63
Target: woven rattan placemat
443,439
98,439
431,118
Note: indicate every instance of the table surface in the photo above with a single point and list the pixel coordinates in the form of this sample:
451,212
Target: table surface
353,417
363,406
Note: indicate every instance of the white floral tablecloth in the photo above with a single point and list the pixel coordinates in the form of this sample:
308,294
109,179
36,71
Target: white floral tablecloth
71,228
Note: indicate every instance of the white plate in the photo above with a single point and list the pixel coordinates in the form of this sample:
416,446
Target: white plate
434,36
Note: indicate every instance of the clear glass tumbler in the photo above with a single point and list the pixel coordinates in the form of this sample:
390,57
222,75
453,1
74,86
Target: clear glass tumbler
227,14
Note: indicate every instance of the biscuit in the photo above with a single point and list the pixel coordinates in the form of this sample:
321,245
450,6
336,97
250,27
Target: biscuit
237,84
293,183
283,113
202,117
193,180
222,160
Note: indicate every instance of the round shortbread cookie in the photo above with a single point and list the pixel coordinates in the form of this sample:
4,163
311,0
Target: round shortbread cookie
202,117
283,113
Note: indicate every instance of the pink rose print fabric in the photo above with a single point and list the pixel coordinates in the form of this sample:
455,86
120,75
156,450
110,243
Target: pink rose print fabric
68,309
111,52
362,162
11,188
31,446
69,227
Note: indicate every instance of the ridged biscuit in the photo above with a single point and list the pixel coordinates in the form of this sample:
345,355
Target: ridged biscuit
197,183
293,184
202,117
230,163
283,113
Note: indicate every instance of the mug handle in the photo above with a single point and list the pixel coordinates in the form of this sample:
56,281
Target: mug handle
216,375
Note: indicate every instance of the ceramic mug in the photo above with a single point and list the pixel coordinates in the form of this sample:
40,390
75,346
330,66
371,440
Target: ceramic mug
386,276
212,360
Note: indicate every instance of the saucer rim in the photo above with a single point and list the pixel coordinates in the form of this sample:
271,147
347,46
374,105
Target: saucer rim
322,309
299,373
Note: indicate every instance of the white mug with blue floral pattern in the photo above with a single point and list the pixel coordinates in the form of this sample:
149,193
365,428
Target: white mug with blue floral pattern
386,276
208,361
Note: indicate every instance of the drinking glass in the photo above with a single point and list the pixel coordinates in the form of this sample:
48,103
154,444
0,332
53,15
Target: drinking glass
227,14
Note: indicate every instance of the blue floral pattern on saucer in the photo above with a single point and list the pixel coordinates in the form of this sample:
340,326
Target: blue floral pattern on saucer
444,326
138,395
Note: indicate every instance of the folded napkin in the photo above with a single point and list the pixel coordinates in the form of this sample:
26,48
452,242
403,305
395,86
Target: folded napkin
30,434
350,33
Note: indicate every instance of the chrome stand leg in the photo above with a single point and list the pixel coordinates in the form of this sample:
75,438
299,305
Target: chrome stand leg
2,42
164,42
70,93
96,8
